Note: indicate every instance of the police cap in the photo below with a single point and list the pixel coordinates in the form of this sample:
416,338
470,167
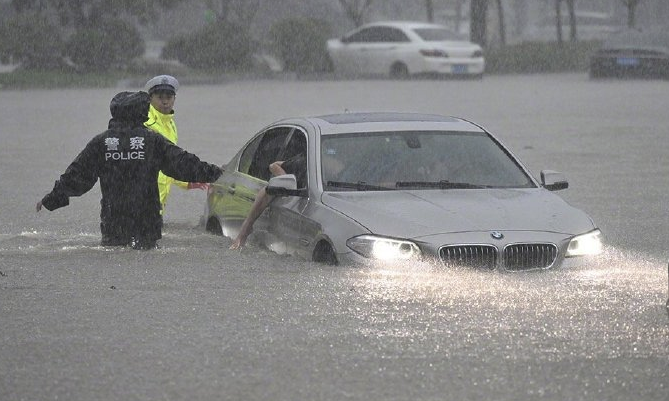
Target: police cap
162,82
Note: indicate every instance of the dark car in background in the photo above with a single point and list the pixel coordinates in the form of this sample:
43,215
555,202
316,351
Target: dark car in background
634,54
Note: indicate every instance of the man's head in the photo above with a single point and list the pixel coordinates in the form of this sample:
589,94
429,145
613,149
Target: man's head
163,90
130,106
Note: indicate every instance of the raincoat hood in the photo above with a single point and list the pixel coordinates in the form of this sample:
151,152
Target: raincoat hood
130,107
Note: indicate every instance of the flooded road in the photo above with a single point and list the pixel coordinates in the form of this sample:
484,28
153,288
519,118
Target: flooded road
194,320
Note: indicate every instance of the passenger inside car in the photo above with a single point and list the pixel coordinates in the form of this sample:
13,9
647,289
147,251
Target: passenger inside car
296,164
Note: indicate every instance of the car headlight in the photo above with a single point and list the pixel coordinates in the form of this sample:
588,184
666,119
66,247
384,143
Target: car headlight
585,244
374,247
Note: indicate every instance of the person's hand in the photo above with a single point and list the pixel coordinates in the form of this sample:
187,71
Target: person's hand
198,185
238,244
38,207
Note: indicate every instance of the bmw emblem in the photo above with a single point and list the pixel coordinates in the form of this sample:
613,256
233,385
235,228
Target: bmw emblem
496,234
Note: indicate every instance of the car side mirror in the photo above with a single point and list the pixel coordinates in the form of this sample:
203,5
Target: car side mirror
553,180
284,185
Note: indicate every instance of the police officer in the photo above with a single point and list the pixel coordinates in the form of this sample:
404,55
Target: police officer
163,91
126,158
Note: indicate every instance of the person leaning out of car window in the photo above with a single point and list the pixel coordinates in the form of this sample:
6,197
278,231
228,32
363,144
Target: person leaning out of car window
163,91
296,165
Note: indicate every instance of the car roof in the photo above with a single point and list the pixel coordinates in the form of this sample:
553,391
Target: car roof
390,121
632,38
406,24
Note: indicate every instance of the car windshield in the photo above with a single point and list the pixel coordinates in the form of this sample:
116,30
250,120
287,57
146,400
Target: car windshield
417,160
437,34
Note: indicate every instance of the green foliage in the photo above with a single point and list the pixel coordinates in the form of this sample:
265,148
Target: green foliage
31,40
217,46
300,44
108,46
78,13
540,57
30,79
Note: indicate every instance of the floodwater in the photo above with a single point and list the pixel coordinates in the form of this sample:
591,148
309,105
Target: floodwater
196,321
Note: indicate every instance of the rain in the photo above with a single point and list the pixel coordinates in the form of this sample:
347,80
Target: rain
195,320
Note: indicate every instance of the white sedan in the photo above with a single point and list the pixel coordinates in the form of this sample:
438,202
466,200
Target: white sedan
401,49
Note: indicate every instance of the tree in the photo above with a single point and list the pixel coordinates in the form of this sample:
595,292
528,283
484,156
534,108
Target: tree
37,35
300,43
429,8
111,46
82,13
31,40
478,23
571,11
240,12
502,26
356,10
558,20
631,11
219,45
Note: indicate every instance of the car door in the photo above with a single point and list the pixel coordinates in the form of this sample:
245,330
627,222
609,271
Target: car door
388,45
367,51
252,173
285,233
348,58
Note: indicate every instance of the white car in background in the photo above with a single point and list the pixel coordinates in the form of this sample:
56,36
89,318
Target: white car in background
402,49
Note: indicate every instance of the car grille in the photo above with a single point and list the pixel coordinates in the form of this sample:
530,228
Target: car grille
529,256
469,255
516,257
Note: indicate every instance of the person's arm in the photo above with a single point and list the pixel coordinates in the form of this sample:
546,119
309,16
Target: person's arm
276,169
78,178
184,166
262,200
296,165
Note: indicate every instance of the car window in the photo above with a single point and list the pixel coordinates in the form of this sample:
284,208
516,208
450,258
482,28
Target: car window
295,154
437,34
392,159
297,144
263,151
247,155
376,34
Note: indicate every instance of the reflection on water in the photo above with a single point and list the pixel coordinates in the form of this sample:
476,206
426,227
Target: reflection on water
613,307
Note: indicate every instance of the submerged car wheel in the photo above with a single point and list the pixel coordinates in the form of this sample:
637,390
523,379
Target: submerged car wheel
213,226
399,71
323,253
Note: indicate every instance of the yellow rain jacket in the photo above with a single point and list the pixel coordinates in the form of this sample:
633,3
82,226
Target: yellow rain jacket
164,125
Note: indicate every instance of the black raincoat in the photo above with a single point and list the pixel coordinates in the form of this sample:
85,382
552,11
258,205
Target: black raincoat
127,158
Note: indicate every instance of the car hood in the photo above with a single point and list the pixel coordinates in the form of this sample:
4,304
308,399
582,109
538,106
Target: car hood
414,214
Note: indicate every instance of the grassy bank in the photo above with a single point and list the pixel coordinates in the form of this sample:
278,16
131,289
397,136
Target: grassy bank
22,79
524,58
540,57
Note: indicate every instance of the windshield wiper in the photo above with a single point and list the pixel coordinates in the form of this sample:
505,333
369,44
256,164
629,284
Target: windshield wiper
443,184
358,186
